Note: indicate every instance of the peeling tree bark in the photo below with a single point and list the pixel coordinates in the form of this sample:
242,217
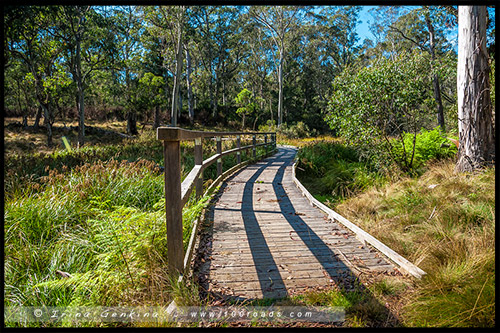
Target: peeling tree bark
475,120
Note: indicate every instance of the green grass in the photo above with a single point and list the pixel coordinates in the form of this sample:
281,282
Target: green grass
438,219
448,231
334,172
97,213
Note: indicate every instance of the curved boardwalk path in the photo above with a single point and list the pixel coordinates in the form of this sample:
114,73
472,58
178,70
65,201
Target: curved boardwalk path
267,241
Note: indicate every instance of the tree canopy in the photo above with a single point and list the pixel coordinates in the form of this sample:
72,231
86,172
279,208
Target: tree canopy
187,64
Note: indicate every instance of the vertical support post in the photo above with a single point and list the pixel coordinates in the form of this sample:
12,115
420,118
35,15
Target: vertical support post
265,141
173,206
238,145
254,142
198,160
219,160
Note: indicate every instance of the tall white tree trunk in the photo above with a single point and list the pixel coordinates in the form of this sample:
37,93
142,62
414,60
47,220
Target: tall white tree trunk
475,123
178,69
280,89
189,85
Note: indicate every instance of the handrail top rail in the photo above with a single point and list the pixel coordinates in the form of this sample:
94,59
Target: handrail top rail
180,134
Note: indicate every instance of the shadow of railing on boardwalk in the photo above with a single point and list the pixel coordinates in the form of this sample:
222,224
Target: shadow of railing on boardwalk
270,279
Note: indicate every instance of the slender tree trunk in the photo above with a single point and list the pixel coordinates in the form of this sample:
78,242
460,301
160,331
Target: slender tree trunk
80,98
48,123
189,87
280,90
36,125
177,78
435,81
131,123
156,122
475,120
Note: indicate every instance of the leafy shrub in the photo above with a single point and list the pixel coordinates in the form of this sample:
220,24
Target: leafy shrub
299,130
370,106
333,171
429,145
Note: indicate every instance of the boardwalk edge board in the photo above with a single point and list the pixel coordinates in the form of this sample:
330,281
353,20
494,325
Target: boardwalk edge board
362,235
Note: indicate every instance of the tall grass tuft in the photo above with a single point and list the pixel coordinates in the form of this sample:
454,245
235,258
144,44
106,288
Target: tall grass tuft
103,223
445,223
333,171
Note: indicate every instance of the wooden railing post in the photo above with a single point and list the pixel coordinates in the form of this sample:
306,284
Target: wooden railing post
219,160
254,142
238,145
198,160
265,141
173,206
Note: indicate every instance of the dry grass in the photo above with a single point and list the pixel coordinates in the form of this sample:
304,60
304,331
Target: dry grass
445,223
21,141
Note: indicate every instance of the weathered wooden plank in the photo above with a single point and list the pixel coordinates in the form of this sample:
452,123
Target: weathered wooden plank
349,251
198,160
180,134
189,183
273,232
363,235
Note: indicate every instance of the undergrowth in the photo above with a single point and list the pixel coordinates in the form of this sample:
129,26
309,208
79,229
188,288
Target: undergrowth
442,221
98,214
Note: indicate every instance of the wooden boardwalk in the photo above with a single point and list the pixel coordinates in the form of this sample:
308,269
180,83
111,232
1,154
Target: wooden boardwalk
267,241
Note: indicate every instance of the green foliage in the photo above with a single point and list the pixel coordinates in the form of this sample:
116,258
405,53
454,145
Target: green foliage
247,104
296,131
333,171
370,106
101,222
429,145
151,90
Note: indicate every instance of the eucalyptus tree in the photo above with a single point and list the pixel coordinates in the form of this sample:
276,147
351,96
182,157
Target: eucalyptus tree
337,26
178,17
424,32
310,77
152,60
17,94
423,28
128,29
277,22
30,39
475,119
256,65
167,24
189,82
217,37
202,19
88,39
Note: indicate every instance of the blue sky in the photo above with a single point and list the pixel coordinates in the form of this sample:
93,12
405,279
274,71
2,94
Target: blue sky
363,28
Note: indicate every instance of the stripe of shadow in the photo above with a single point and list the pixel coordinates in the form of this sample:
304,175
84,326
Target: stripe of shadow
318,248
270,279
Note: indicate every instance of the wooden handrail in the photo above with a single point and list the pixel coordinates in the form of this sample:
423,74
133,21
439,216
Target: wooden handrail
177,193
